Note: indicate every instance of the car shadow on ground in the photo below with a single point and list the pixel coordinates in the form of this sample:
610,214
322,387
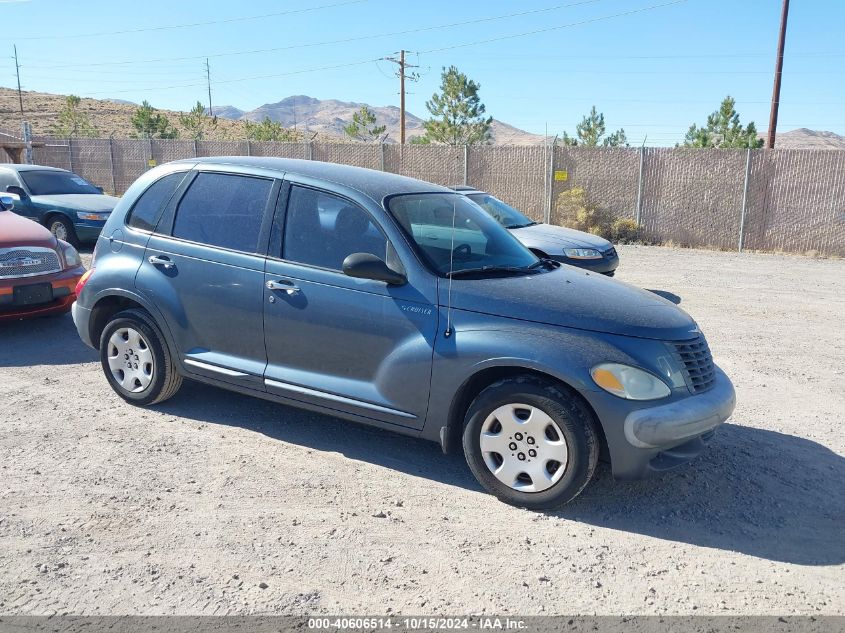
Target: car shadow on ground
671,296
762,493
50,340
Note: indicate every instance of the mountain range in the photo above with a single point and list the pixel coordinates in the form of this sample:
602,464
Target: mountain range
329,117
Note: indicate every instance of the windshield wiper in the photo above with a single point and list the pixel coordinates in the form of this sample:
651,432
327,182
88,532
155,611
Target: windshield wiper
520,226
490,269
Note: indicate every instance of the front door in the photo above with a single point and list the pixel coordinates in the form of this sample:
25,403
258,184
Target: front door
205,272
355,346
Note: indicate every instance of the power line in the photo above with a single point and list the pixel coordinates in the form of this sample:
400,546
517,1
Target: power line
552,28
339,41
190,25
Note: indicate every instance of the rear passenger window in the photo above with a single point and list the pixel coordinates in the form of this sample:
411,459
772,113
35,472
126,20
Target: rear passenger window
223,210
148,207
322,230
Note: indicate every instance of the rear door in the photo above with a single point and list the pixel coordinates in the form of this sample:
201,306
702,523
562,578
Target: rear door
355,346
204,268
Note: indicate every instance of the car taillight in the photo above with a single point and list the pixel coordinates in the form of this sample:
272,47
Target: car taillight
82,281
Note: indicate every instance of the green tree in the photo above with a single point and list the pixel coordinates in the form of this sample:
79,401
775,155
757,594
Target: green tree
73,123
592,132
150,123
422,139
457,112
363,126
269,130
724,130
197,122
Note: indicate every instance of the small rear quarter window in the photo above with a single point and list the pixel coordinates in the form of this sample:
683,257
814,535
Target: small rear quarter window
148,207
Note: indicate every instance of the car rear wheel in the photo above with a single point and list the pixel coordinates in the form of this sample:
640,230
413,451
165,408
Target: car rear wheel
530,443
136,360
62,229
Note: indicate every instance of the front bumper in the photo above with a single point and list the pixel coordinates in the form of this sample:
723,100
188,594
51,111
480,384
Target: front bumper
63,285
88,230
654,439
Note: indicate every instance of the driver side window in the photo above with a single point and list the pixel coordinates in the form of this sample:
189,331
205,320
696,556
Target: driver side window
322,230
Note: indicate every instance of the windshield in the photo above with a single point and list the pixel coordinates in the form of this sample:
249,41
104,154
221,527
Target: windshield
504,214
452,233
50,183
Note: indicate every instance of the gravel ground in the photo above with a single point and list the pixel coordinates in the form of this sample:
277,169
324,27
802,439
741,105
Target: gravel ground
215,503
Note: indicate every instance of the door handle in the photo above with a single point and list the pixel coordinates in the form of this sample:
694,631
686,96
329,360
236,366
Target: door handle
164,262
285,286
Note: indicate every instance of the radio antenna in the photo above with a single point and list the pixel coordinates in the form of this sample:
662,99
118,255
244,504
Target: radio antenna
448,331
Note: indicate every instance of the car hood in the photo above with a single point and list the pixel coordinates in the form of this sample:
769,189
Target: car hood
572,297
94,203
553,239
19,231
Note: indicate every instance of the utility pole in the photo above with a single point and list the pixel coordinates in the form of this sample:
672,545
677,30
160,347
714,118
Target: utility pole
773,117
18,73
208,80
402,77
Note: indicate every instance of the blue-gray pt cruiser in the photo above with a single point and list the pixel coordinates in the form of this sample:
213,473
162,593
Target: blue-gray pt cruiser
399,304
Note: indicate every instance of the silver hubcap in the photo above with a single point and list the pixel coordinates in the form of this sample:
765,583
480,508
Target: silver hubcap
130,360
59,230
523,447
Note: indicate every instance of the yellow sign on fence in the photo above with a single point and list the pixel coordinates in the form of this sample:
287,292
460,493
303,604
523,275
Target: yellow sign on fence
561,175
151,162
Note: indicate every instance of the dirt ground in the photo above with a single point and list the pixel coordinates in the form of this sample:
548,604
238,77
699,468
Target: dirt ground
215,503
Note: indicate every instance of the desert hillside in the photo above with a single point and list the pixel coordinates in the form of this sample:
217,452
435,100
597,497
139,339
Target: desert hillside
324,117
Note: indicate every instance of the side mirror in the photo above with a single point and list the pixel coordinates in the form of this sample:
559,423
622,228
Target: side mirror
18,191
7,203
100,189
368,266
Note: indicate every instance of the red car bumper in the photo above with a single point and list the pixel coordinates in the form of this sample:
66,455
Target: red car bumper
14,306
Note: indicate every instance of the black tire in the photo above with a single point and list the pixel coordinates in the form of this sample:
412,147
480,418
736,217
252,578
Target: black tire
58,223
570,415
165,379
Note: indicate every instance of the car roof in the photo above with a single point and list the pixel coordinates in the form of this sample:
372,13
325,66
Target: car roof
21,167
375,184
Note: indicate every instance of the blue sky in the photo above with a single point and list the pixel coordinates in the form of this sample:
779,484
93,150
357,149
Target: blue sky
652,72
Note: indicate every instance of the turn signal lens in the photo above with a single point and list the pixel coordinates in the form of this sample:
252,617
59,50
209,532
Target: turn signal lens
629,382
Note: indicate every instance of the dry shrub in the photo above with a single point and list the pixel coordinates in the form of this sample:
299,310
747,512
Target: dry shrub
576,211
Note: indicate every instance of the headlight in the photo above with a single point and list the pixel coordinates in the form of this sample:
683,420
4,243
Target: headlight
629,382
582,253
70,255
85,215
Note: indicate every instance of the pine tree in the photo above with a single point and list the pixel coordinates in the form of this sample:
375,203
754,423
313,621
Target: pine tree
150,123
197,122
591,132
73,123
363,126
724,130
269,130
457,112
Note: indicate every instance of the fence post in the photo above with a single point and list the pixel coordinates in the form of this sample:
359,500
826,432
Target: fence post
70,153
382,156
310,154
111,163
744,197
551,174
640,188
248,148
466,164
196,149
27,139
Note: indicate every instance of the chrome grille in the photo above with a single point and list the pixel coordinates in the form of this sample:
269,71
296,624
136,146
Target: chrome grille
695,358
28,262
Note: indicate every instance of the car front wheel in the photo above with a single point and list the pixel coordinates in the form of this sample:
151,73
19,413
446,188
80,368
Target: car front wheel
136,360
62,229
530,443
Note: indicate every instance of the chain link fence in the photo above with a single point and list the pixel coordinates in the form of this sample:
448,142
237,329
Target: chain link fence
775,200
